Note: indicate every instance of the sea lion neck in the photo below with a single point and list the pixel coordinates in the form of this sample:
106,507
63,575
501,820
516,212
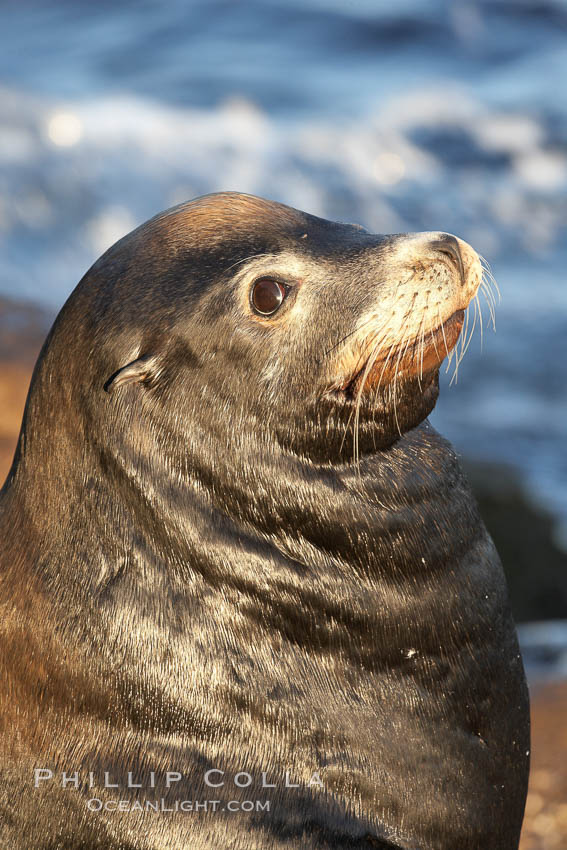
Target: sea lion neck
151,491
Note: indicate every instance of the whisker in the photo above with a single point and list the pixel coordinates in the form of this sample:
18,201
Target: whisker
434,343
458,354
371,360
467,336
490,304
488,272
443,332
422,348
486,287
409,338
398,361
459,351
489,287
347,336
417,339
244,259
477,301
384,367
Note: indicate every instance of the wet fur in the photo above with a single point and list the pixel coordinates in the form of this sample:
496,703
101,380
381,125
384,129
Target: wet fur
195,572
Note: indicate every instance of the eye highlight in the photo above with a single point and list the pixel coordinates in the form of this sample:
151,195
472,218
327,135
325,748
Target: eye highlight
267,296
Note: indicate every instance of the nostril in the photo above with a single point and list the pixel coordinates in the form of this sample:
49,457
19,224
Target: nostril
449,246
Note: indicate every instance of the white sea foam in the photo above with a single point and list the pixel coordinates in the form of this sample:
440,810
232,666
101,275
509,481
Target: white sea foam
69,167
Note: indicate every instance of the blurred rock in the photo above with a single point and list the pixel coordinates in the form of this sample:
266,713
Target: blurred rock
535,566
23,328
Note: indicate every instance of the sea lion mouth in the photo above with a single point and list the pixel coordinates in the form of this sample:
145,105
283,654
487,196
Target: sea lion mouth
415,358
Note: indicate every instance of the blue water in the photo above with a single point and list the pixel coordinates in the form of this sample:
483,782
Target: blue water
401,116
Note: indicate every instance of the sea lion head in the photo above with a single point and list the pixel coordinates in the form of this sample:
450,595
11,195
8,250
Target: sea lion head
232,315
326,335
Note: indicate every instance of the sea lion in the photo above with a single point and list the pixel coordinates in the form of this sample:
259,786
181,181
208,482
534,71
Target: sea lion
239,566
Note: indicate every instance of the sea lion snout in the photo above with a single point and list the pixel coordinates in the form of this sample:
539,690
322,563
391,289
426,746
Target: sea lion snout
417,314
448,259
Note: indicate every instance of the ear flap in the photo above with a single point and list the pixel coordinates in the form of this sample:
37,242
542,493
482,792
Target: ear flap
137,371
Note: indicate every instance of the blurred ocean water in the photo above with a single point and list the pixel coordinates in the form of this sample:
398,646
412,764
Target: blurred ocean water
407,116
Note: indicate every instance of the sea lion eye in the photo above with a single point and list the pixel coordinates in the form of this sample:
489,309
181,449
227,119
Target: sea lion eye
267,295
